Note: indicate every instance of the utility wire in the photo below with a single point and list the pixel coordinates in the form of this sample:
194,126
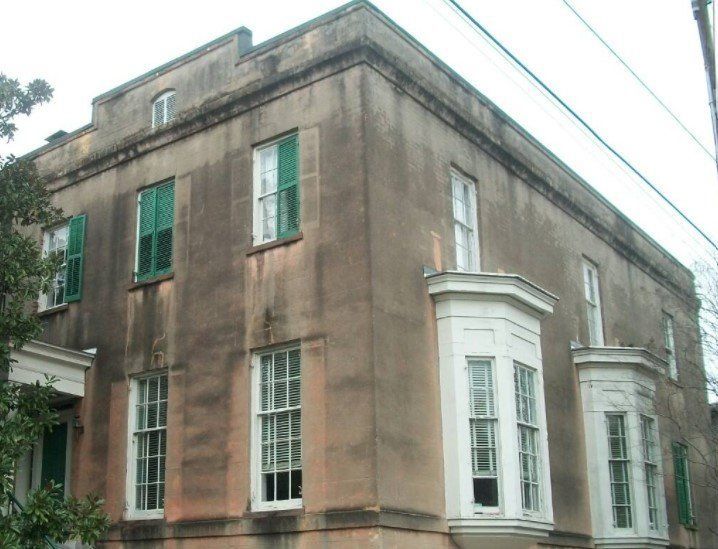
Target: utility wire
694,242
580,119
640,80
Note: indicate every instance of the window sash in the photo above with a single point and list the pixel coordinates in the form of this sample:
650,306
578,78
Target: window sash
593,304
279,418
529,467
648,436
619,471
669,345
149,439
56,240
464,210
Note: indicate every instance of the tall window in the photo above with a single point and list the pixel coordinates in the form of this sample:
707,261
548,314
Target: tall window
669,344
149,440
276,190
593,304
280,428
163,109
650,467
56,243
682,474
482,423
528,435
155,223
465,218
618,465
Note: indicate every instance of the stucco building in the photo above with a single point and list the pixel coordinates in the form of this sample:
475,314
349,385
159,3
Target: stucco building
322,292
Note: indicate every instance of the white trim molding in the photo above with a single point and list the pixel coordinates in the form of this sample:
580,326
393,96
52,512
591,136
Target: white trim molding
495,317
622,381
36,359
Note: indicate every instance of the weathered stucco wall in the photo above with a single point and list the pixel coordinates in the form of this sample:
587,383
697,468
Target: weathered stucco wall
380,124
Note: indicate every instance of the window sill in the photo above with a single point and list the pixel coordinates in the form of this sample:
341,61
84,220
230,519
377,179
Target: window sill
274,243
150,281
53,310
277,512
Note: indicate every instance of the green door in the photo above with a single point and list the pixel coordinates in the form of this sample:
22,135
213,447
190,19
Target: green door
54,452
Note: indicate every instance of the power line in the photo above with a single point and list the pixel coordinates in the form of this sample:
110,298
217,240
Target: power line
640,81
580,119
693,241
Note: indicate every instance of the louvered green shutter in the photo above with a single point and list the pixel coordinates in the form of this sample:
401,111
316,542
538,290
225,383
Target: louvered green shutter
683,494
146,234
54,455
164,225
288,187
75,258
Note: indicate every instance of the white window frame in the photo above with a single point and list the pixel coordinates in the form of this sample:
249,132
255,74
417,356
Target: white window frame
494,418
256,432
594,315
532,426
651,457
131,511
471,215
165,114
669,344
627,464
43,304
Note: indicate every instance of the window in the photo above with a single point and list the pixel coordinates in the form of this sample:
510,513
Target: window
482,423
618,465
276,190
650,468
464,200
155,221
67,240
524,386
279,418
593,304
669,344
149,445
163,109
683,485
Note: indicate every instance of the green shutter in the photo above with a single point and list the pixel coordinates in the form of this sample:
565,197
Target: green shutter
164,225
54,455
146,234
75,258
683,493
288,187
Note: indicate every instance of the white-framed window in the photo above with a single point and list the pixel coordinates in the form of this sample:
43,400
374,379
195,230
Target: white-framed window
650,468
669,345
483,429
55,241
463,198
528,435
276,190
277,432
593,304
618,467
148,446
164,108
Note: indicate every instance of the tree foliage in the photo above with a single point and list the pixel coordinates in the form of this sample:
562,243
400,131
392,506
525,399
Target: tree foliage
26,411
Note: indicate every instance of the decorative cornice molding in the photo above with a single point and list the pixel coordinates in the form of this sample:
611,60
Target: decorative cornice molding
505,287
636,358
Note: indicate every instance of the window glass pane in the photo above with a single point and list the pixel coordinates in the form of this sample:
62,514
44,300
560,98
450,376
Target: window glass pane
56,243
281,425
150,439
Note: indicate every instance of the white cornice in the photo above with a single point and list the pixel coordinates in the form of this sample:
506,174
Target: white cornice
503,287
636,358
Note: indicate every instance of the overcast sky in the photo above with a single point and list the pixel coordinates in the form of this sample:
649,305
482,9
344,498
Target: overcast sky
85,48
